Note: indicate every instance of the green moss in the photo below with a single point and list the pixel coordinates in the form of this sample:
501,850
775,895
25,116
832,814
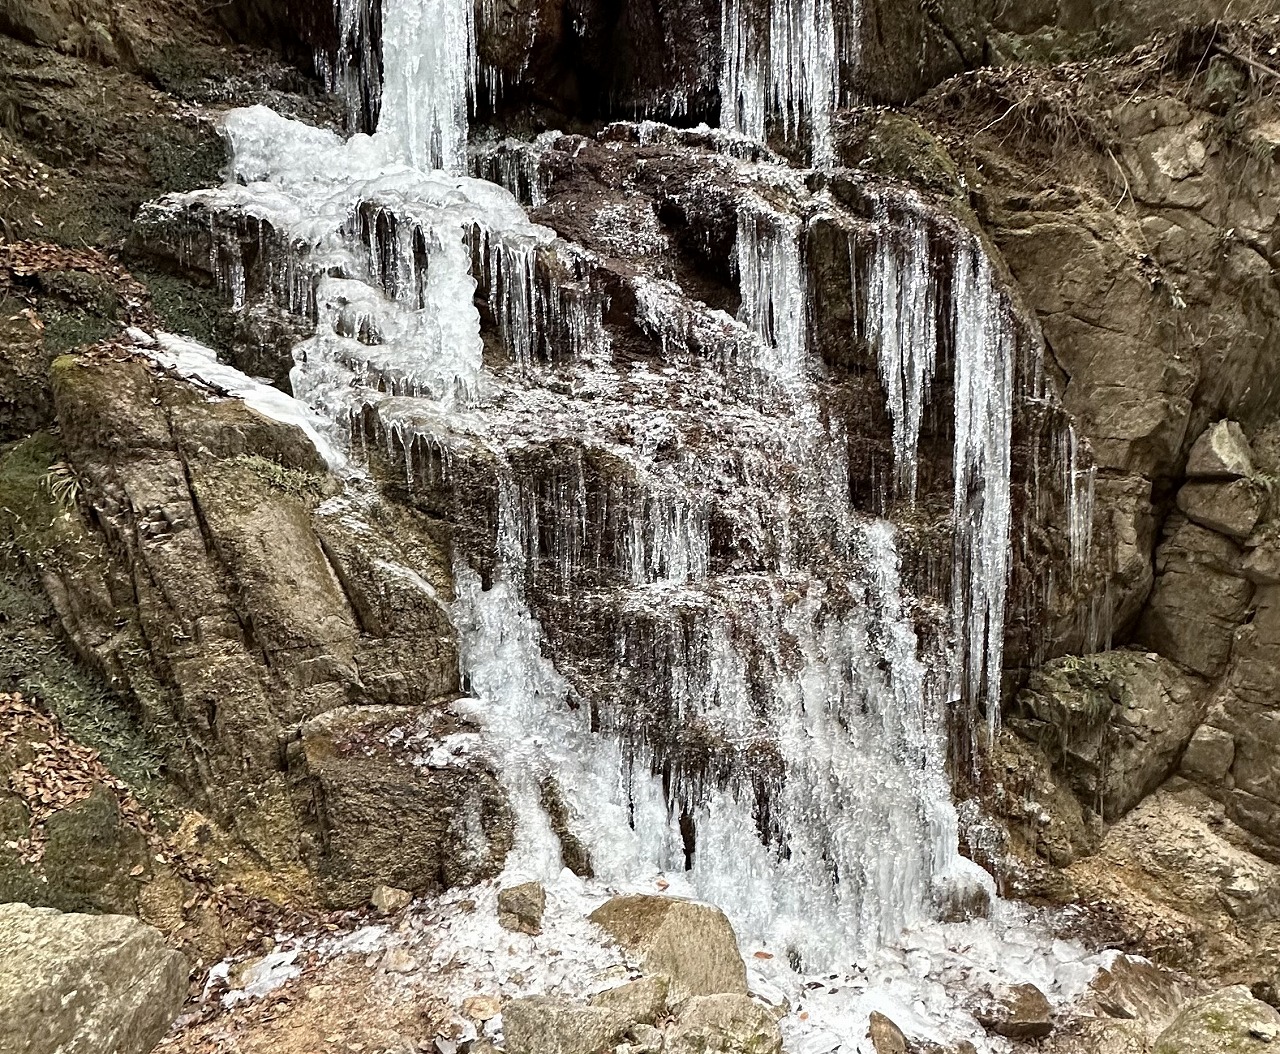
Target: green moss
185,307
305,486
35,660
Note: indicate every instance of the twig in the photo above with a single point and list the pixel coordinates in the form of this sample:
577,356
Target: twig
1253,63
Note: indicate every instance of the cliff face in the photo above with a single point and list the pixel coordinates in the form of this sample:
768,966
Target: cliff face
264,657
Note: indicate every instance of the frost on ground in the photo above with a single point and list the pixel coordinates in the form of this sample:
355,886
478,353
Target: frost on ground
439,972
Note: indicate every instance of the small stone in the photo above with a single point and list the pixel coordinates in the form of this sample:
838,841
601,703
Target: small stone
885,1036
520,908
397,960
1221,452
481,1007
1018,1011
389,899
644,1000
1232,509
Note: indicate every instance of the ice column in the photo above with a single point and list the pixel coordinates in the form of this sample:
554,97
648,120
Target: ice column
790,72
984,357
902,321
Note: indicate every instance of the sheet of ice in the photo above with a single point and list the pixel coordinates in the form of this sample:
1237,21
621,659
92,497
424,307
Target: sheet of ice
195,361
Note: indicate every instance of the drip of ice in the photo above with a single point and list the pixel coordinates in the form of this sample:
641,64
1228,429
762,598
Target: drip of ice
771,280
428,71
787,71
984,358
902,322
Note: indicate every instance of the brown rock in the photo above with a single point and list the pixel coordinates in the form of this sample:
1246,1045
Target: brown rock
390,899
885,1036
1200,598
1221,453
644,1001
1230,1021
691,943
84,984
732,1024
545,1025
520,907
1232,508
1018,1011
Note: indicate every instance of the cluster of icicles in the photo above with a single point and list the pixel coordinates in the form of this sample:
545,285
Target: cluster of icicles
803,665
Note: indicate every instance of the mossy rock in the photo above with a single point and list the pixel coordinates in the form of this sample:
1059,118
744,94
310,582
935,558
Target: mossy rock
1230,1021
893,145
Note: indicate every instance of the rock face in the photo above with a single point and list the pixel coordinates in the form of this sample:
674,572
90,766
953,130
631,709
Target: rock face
273,649
1116,722
1200,598
1227,1022
84,984
693,944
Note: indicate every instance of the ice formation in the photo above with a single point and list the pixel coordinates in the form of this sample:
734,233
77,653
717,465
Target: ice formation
762,722
784,72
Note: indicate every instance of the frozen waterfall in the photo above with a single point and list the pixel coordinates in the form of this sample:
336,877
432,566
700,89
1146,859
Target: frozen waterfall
666,601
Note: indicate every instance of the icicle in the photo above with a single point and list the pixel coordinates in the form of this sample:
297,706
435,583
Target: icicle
984,354
774,291
792,76
901,323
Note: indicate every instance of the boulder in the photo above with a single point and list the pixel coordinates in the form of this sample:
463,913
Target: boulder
643,1001
691,943
1230,1021
1209,755
1221,453
547,1025
1018,1011
520,907
1232,508
84,984
1116,721
729,1024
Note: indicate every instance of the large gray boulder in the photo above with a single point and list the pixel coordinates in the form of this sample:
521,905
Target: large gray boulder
84,984
692,943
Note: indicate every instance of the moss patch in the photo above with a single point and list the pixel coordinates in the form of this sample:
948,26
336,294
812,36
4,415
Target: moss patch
189,308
